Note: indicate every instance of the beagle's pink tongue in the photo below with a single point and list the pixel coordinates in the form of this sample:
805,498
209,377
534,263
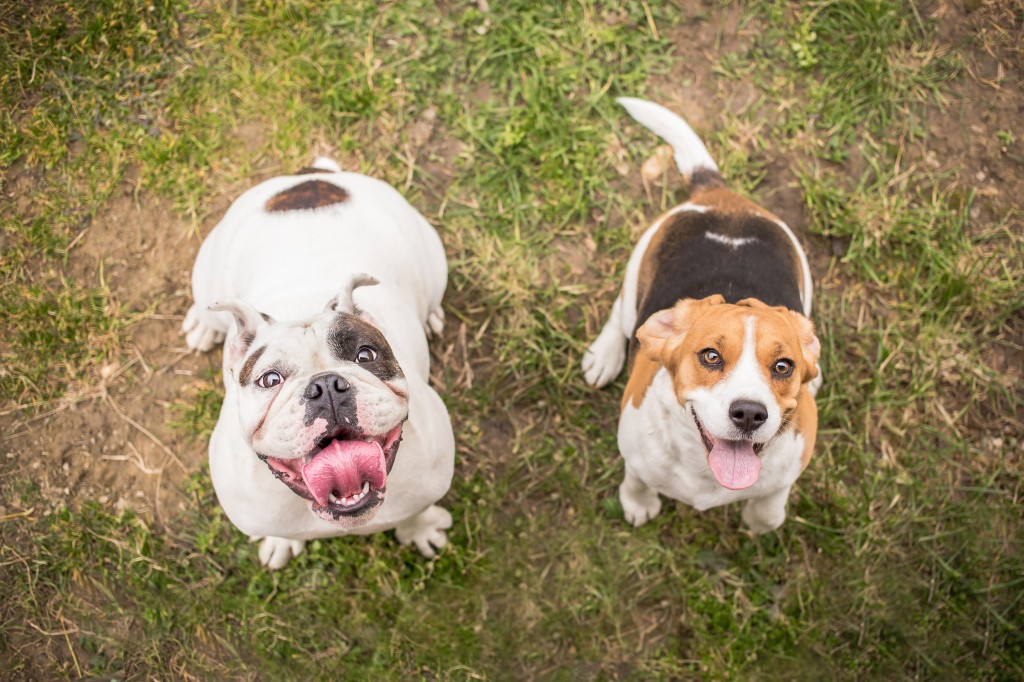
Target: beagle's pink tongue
342,467
734,463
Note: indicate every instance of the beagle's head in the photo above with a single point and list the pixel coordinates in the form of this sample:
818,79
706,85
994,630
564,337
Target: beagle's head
737,370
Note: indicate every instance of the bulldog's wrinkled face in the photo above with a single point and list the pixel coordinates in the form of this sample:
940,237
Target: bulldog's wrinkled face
322,402
737,370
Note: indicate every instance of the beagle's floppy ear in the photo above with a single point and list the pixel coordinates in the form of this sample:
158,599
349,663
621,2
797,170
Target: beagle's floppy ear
342,302
657,333
248,321
810,347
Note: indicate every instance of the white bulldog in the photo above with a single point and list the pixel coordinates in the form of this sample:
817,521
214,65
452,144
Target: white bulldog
325,285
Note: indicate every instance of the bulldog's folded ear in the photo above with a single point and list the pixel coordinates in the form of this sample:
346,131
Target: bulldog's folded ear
248,321
343,303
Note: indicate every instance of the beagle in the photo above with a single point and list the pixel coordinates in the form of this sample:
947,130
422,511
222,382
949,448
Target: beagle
723,360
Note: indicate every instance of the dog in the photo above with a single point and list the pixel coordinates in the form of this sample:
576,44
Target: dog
324,286
719,405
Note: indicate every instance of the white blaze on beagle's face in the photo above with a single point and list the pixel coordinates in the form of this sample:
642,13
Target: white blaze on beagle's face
737,370
322,402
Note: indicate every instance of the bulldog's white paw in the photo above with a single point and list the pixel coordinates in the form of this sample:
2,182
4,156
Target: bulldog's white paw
435,322
198,335
275,552
426,529
639,507
604,359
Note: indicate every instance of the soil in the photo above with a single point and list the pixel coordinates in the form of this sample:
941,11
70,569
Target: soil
114,443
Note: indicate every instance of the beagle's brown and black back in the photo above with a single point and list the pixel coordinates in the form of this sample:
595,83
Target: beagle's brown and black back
717,243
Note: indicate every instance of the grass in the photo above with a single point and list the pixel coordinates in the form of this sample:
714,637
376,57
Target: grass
901,556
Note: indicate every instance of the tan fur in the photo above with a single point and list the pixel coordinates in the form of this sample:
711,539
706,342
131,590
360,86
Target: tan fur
727,202
806,422
640,379
675,337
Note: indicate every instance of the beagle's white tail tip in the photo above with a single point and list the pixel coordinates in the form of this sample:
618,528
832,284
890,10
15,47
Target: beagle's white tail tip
689,152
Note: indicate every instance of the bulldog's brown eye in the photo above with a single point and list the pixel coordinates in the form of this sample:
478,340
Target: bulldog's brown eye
270,379
710,358
366,354
782,368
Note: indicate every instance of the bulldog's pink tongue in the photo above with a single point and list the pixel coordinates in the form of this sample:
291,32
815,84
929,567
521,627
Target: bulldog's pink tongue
734,463
342,468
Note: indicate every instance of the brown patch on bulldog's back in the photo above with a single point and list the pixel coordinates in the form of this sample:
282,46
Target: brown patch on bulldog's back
307,195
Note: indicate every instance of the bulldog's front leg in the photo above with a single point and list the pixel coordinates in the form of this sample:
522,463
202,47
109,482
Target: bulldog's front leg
426,529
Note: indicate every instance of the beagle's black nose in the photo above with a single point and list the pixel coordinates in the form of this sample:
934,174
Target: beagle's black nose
748,415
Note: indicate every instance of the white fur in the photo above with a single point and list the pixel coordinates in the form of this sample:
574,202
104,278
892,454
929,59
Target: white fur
665,455
690,152
731,242
288,264
745,381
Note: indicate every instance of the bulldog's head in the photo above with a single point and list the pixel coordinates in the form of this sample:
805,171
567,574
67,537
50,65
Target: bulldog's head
737,370
322,402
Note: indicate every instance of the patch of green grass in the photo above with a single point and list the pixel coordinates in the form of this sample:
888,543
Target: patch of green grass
196,414
855,69
63,332
78,83
900,558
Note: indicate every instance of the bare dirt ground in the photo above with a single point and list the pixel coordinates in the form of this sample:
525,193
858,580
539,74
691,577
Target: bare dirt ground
114,443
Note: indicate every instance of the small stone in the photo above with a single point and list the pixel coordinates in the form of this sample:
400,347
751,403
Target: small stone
657,165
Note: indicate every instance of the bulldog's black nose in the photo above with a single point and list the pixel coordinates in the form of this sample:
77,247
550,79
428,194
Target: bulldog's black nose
327,390
748,415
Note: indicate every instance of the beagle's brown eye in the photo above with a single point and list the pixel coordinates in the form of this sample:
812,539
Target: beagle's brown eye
270,379
710,358
366,354
782,368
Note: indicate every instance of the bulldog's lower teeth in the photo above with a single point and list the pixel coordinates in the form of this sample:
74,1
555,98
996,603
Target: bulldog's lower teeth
350,501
